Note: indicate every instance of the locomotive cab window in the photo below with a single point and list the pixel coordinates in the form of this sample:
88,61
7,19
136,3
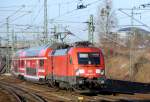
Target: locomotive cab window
21,63
89,58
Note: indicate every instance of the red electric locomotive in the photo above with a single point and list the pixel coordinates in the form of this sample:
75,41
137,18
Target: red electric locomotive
74,67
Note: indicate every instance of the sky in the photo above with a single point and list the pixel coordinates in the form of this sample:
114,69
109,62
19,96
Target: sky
27,15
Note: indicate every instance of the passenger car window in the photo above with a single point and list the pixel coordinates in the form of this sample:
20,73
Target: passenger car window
41,62
70,60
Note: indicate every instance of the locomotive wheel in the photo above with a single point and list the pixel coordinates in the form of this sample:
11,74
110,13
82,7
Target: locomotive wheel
65,86
69,88
51,83
76,88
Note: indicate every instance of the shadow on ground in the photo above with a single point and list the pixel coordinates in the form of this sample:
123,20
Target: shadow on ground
127,87
115,87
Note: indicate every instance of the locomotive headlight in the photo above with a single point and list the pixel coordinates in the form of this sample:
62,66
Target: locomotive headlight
80,71
98,71
102,72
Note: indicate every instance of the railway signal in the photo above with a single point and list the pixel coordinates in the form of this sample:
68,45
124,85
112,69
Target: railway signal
91,29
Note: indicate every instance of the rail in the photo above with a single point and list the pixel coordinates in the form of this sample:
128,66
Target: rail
20,94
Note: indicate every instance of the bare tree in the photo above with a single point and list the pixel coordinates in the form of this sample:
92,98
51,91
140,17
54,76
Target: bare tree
106,21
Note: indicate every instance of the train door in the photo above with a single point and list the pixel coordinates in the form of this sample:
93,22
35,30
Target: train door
52,66
70,66
59,58
41,68
22,67
30,68
65,67
15,65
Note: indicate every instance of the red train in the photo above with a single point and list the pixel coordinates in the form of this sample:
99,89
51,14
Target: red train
75,66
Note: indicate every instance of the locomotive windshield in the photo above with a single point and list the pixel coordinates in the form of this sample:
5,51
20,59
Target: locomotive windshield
89,58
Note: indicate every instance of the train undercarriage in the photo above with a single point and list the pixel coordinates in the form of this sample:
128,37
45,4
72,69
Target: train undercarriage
80,83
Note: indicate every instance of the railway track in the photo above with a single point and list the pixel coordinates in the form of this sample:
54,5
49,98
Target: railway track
20,94
51,95
37,91
65,96
59,95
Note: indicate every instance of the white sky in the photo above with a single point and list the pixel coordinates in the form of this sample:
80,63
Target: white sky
9,7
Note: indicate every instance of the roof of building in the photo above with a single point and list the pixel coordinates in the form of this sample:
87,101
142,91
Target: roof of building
129,29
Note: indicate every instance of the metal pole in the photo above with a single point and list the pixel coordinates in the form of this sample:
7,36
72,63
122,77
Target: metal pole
7,54
131,45
107,12
59,5
107,18
91,30
0,45
55,34
13,42
107,22
45,23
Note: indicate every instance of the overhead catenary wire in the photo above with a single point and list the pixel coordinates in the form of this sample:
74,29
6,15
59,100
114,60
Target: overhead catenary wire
57,16
38,13
54,4
76,36
71,11
11,11
16,6
134,19
35,17
66,22
15,19
68,12
134,9
140,12
61,15
93,2
20,17
23,6
14,13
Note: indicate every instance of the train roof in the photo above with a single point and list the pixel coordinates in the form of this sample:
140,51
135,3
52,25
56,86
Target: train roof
43,50
18,53
34,51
